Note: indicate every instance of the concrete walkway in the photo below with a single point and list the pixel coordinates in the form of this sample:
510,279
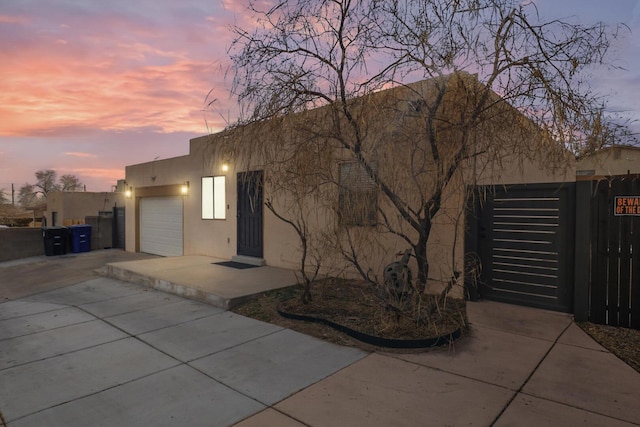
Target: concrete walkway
105,352
201,278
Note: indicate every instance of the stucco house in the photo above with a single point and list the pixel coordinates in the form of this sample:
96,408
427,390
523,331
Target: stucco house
203,203
103,211
610,161
72,207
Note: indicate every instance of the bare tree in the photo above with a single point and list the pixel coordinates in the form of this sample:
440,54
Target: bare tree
339,54
27,196
70,183
4,199
46,181
297,186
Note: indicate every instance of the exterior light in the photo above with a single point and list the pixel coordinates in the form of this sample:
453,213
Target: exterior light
225,167
185,189
128,192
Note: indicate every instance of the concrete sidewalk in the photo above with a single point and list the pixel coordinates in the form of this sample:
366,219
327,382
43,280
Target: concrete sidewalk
519,367
108,352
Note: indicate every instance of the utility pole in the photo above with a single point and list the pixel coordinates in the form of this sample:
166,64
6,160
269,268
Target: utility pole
13,195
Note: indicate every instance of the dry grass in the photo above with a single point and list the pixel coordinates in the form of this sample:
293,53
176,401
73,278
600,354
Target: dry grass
354,305
623,342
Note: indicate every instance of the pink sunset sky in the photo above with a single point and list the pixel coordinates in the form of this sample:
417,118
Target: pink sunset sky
88,87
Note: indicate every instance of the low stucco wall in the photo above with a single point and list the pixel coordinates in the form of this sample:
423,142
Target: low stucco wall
18,243
101,232
72,207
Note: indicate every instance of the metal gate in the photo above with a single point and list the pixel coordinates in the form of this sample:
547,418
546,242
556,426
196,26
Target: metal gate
524,236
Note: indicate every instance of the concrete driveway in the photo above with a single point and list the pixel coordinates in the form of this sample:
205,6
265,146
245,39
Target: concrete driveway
29,276
78,349
108,353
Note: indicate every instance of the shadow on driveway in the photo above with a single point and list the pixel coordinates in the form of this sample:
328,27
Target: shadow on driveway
24,277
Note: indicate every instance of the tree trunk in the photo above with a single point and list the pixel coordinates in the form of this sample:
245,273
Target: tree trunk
420,249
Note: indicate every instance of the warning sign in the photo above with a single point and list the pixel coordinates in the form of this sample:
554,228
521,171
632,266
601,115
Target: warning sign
627,205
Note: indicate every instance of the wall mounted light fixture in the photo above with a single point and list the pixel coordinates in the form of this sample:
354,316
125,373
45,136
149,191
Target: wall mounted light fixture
185,188
128,192
225,167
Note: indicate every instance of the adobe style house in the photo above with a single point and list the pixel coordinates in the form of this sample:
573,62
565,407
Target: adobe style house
72,207
206,203
103,211
610,161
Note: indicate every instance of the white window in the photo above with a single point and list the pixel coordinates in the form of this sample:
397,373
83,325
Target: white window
219,198
214,200
207,197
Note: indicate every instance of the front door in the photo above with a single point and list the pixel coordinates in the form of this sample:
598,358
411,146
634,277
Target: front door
250,213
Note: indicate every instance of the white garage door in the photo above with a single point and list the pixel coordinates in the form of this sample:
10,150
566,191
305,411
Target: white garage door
161,225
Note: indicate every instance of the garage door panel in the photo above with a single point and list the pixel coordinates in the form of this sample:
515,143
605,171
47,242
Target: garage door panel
161,226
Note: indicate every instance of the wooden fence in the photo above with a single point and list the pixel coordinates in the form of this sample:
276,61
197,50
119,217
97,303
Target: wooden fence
608,251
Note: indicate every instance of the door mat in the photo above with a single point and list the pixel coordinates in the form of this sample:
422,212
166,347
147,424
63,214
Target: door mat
234,264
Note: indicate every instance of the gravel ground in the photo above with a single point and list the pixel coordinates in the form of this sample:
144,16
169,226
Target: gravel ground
623,342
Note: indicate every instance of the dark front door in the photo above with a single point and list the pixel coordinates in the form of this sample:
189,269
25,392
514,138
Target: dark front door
250,214
118,235
525,245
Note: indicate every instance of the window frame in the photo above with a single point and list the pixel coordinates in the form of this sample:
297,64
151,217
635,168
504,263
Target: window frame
360,187
213,197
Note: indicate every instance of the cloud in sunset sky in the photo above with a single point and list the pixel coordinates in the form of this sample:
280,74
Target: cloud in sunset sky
82,77
85,155
88,87
104,65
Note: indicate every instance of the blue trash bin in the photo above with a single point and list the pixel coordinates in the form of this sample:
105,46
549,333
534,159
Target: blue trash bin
80,238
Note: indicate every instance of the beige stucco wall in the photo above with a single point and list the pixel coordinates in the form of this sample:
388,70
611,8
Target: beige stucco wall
73,207
217,238
610,161
156,178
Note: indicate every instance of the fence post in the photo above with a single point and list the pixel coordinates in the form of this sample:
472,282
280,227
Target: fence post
583,214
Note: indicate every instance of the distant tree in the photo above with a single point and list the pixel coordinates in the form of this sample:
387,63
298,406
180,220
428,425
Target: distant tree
27,195
70,183
4,199
46,181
